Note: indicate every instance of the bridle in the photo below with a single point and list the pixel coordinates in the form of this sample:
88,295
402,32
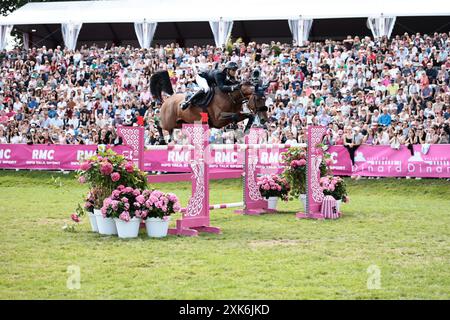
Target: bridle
259,109
243,98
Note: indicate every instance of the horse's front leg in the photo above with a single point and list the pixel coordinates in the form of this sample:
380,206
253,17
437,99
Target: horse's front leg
251,119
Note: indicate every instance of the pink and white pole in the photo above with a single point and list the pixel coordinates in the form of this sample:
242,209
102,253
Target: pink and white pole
314,193
134,138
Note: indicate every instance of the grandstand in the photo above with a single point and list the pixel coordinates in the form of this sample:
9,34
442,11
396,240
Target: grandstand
188,22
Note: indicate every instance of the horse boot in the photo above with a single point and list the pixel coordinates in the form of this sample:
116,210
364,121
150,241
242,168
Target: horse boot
187,103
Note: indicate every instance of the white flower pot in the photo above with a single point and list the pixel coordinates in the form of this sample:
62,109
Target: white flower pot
106,226
338,205
93,221
156,227
303,200
128,229
272,203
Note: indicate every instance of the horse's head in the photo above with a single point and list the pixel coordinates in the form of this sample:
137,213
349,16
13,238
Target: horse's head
254,96
257,103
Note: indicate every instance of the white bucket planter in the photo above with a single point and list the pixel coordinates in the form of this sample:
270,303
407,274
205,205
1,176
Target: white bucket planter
93,221
156,227
106,226
338,205
303,200
272,203
128,229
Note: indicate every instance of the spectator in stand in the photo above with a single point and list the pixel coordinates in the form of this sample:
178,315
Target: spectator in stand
384,90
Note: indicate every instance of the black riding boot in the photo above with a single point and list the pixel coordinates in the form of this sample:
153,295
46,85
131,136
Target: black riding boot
187,103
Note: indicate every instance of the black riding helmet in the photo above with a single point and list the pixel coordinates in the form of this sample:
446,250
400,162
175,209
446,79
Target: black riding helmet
231,65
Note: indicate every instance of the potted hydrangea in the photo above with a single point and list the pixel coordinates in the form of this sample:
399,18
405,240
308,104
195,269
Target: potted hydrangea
294,160
155,207
273,187
104,172
89,203
121,209
335,187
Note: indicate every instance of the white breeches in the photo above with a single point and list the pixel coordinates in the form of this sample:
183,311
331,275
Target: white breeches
202,83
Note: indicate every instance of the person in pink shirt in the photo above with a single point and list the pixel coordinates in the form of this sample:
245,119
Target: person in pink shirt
339,139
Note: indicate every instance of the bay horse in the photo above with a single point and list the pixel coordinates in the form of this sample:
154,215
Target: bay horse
224,108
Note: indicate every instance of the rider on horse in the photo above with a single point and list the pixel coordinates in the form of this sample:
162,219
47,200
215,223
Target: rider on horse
224,79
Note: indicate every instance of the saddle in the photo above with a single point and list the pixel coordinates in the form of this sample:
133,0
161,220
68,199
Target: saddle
203,100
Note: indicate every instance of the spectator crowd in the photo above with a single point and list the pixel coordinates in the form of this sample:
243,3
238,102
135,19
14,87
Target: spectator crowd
387,92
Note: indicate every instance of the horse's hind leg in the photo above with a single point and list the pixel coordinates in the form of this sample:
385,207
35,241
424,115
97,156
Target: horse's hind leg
162,141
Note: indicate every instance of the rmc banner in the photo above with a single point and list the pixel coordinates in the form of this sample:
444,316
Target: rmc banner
381,161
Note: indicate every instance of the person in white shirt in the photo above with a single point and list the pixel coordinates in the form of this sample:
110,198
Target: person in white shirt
290,138
74,121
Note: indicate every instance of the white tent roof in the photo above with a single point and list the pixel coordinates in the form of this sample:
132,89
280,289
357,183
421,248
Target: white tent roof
205,10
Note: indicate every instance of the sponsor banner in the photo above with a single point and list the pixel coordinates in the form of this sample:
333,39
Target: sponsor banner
49,157
381,161
178,160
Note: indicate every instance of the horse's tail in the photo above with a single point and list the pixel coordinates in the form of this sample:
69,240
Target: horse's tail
159,82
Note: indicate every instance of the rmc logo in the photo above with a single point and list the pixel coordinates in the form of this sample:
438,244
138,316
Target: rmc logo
5,153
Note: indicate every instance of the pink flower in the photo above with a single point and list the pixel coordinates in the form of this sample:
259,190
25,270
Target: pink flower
75,217
85,166
176,207
124,200
88,204
128,190
115,176
107,202
172,197
138,213
136,192
106,168
302,162
129,167
329,162
140,199
82,179
125,216
121,187
115,194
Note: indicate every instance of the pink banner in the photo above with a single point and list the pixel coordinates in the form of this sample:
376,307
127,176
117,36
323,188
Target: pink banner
48,157
381,161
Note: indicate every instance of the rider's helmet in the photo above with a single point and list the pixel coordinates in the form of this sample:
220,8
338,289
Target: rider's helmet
231,66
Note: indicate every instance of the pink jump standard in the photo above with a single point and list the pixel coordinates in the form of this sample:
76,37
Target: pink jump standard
314,194
195,217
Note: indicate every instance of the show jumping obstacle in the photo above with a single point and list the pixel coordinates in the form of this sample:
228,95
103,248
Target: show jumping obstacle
195,217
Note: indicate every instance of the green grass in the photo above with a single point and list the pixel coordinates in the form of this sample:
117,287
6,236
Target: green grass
401,226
